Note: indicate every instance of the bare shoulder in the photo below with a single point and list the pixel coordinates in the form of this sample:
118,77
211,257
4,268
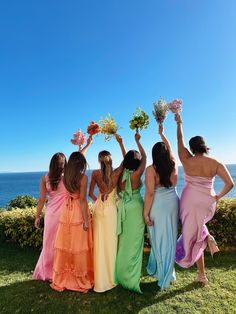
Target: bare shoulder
95,173
150,171
84,179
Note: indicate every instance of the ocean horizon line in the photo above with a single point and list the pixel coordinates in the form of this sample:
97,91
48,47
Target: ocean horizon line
39,171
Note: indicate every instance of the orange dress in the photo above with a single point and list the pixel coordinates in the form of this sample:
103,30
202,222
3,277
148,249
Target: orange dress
73,256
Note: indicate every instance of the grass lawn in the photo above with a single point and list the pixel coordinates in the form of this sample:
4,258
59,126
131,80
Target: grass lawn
20,294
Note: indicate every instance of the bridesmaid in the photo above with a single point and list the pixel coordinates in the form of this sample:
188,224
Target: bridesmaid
161,212
73,260
105,219
130,225
52,185
198,201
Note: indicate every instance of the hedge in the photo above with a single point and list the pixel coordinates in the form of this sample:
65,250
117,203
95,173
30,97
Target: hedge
17,226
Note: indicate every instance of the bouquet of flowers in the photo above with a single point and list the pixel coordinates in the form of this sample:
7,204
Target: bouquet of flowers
108,127
160,110
93,128
176,105
79,138
139,121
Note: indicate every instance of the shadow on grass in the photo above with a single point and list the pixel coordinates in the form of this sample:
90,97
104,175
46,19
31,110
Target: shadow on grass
35,296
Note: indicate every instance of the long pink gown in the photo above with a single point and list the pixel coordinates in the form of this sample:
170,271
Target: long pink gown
44,267
197,207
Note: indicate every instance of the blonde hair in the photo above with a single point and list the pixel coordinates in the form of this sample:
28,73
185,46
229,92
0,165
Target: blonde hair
106,168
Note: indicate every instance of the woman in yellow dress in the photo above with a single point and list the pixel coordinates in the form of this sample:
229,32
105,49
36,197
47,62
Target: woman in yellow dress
105,219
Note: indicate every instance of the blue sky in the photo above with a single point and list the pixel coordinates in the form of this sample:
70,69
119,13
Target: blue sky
65,63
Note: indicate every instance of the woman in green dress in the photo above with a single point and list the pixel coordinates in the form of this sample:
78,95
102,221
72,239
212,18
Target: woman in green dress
130,225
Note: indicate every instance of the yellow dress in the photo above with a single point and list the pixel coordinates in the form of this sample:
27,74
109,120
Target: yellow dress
105,242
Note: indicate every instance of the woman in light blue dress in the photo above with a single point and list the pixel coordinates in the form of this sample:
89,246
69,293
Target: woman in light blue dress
161,212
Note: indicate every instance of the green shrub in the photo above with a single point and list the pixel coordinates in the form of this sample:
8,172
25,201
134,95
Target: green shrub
17,226
223,224
22,201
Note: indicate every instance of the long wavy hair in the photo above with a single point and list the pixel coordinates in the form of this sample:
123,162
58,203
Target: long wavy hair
162,163
105,160
74,171
56,169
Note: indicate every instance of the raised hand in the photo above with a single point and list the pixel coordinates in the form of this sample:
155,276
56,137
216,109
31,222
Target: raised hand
89,140
119,138
137,136
178,118
161,129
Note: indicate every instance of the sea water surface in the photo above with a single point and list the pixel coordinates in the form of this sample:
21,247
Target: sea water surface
27,183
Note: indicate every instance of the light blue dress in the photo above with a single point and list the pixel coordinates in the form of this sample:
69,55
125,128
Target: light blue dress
163,235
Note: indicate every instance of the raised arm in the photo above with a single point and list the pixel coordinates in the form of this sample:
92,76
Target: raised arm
142,165
83,201
85,148
223,173
41,202
149,194
182,149
92,187
120,142
165,140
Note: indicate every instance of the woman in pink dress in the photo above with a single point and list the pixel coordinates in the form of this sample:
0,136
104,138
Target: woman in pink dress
51,185
198,201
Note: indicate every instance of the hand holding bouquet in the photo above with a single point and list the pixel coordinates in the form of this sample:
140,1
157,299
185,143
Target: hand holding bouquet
93,129
160,110
140,120
176,106
79,138
108,127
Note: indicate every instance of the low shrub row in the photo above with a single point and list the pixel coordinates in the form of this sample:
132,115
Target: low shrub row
17,226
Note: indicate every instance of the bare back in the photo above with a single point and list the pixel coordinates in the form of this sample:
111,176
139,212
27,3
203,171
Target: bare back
200,165
103,189
173,177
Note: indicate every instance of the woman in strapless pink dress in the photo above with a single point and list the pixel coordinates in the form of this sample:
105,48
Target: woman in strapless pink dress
53,186
198,201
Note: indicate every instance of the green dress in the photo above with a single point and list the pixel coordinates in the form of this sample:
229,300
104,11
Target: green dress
130,231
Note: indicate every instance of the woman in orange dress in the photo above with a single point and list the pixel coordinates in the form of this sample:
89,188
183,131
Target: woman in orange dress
73,257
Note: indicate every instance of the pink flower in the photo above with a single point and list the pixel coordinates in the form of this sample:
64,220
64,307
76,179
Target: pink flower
175,106
79,138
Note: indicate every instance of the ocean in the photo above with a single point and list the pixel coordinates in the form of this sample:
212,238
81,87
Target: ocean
27,183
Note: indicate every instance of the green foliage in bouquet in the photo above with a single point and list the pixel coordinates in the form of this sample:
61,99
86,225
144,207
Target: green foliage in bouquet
140,120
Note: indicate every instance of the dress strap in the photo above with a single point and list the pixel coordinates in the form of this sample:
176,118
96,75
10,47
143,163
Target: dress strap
125,196
126,178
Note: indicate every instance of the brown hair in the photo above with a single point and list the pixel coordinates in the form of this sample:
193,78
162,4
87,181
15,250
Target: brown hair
162,163
56,168
106,167
198,145
74,172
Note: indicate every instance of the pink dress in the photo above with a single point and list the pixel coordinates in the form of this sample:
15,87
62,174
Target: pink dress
44,267
197,207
